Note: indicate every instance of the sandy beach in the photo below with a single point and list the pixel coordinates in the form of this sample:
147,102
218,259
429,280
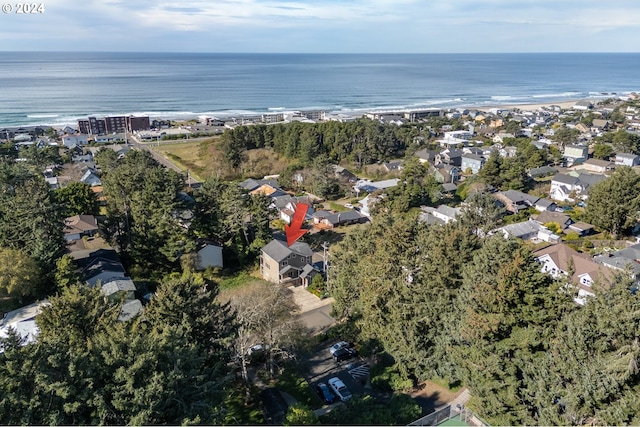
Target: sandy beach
534,107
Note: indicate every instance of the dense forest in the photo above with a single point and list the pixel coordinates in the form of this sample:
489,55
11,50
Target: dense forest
361,142
479,312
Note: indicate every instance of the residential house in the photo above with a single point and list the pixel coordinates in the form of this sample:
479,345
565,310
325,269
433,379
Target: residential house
78,226
326,219
251,184
268,191
560,260
443,214
283,264
528,230
370,187
599,125
449,157
23,321
575,153
74,140
597,166
445,174
472,162
508,152
562,219
90,178
426,156
625,260
307,274
289,208
627,159
208,255
117,289
392,166
568,188
102,270
501,136
514,201
343,173
541,171
583,105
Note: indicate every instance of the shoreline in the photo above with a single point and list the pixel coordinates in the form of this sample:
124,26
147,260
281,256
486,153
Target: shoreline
184,116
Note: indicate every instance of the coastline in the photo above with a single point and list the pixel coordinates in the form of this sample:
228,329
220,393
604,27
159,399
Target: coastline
183,116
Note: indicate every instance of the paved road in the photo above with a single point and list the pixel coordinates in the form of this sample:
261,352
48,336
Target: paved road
318,319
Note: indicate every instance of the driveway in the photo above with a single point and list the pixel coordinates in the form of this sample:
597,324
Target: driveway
315,313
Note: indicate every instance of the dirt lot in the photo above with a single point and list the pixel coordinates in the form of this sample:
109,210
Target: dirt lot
431,396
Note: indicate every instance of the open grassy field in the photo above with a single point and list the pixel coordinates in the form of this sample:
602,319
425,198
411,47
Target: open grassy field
204,158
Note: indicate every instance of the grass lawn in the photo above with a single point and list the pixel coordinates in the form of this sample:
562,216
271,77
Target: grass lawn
290,381
203,158
332,236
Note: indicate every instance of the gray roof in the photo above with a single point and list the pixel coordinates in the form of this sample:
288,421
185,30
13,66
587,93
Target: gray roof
591,179
520,229
307,270
251,184
626,155
129,310
100,265
449,187
619,262
288,268
565,179
519,196
475,157
118,285
542,170
279,251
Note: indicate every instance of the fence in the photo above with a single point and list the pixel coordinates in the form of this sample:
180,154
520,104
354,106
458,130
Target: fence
448,412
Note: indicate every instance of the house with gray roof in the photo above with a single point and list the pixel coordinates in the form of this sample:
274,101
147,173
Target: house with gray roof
568,188
122,287
283,264
443,214
528,230
326,219
627,159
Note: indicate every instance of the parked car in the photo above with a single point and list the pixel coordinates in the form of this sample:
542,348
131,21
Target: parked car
257,353
337,346
325,393
344,353
339,389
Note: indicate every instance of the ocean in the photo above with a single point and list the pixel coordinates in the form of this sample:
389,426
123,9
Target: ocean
58,88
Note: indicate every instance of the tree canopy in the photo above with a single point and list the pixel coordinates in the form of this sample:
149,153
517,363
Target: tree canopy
614,203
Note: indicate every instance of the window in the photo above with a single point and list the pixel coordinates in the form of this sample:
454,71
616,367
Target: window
285,263
293,255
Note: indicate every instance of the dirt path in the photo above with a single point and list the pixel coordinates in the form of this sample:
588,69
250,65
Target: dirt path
431,396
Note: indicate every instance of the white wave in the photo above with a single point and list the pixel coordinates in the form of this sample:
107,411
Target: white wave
42,116
558,95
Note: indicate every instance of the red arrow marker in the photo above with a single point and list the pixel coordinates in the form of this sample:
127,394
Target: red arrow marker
295,231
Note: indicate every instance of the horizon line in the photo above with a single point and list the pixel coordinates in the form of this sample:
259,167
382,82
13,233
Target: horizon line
323,53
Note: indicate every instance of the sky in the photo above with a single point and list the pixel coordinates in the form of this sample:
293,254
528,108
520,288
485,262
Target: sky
324,26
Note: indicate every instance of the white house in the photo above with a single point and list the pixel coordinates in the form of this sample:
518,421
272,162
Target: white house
70,140
23,321
627,159
559,260
443,214
566,188
528,230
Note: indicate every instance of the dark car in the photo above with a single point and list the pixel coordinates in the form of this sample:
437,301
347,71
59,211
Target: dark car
325,393
344,354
